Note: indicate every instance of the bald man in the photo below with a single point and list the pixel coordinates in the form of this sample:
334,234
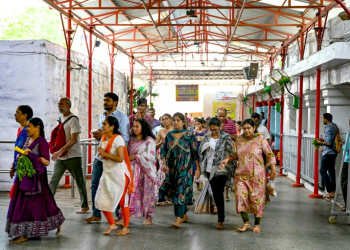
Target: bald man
227,125
69,156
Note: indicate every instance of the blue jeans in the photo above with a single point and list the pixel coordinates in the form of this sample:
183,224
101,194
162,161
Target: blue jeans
97,171
327,172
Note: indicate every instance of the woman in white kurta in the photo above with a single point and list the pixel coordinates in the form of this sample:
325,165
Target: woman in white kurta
116,182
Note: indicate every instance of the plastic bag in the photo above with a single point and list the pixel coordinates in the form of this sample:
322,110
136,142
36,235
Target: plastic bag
270,188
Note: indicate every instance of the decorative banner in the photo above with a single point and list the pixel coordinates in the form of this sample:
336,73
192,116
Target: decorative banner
224,96
187,93
229,106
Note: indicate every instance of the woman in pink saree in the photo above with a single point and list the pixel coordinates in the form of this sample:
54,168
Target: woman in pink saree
142,148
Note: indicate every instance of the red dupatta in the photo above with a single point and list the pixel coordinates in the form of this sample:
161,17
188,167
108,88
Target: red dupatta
131,188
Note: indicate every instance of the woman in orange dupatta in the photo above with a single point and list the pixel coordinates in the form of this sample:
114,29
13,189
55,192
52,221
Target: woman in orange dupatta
116,182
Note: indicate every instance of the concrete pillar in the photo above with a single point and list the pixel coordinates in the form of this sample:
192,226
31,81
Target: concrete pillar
277,129
310,100
305,116
289,115
337,99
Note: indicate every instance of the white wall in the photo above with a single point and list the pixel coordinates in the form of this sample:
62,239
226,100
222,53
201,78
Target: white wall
39,80
166,102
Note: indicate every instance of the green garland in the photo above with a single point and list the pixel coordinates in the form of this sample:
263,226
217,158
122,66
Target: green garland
24,167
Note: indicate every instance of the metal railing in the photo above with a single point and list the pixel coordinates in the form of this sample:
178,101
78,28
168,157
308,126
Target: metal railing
308,158
290,154
85,164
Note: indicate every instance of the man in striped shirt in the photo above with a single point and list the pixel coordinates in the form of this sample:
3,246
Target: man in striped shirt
227,125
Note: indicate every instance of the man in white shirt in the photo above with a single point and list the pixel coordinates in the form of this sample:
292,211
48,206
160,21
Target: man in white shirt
260,128
69,157
263,120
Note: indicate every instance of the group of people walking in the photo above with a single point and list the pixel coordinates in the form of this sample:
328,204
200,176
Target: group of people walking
141,162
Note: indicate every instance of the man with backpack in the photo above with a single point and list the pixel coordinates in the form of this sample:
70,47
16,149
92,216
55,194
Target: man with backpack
329,153
68,156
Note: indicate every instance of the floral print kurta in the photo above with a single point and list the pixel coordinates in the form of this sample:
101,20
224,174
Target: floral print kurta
179,154
142,202
251,177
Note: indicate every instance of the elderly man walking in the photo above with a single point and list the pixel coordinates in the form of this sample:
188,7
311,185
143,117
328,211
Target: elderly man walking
69,156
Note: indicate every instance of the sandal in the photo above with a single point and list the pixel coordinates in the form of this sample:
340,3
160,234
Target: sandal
245,227
123,232
119,222
110,229
257,229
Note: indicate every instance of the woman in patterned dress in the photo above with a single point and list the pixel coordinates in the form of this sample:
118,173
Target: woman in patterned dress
251,176
178,153
142,156
159,142
199,132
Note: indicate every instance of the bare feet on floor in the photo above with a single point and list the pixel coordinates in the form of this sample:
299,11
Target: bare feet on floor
177,222
147,223
329,195
92,218
111,228
59,230
184,219
123,232
256,229
220,226
245,227
19,239
83,210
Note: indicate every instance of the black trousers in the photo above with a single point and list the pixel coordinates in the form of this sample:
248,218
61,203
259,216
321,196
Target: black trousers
327,172
344,180
218,184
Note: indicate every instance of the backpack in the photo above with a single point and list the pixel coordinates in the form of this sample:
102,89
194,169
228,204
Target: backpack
337,148
58,137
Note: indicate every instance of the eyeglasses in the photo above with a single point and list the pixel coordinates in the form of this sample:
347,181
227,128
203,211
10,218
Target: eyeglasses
18,113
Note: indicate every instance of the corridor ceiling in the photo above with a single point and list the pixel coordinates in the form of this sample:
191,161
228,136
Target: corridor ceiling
221,34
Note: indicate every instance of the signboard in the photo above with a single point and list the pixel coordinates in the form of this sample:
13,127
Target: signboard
229,106
224,96
187,93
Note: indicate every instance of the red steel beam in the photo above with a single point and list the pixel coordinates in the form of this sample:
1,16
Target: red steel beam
201,25
198,40
85,27
322,13
197,7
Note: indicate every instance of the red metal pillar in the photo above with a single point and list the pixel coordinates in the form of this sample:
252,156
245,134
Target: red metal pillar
111,55
300,118
242,108
69,40
253,109
132,62
317,112
282,117
68,69
150,87
90,95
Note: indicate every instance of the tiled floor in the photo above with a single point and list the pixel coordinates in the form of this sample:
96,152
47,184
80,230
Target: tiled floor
291,221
